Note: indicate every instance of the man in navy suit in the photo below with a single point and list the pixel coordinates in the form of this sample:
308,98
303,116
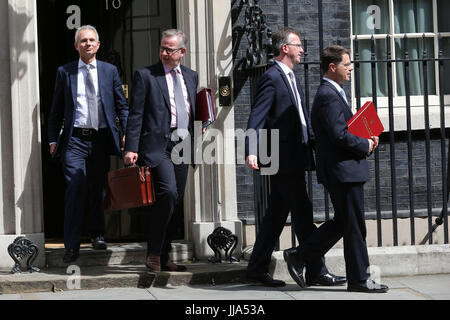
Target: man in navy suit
87,99
161,118
279,106
342,168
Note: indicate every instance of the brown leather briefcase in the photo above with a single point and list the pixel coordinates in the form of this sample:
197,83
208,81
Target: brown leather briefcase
129,188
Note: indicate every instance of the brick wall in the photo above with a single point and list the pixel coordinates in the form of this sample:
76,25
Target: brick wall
303,15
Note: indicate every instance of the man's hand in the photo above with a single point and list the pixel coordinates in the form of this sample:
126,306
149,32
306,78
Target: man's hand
376,140
52,148
123,144
252,162
130,158
373,143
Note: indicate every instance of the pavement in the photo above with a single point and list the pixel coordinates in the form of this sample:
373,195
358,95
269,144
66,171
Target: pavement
206,291
421,287
407,295
414,274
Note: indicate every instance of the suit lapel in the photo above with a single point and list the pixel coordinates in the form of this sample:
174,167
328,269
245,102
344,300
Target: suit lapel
73,73
190,84
100,76
160,77
325,82
287,83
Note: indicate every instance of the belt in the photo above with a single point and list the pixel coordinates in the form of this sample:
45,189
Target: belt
84,132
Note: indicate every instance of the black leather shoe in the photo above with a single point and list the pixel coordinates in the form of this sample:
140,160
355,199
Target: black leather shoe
99,243
368,286
70,255
328,280
266,279
295,266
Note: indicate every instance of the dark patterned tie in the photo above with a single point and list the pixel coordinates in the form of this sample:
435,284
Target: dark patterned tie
182,114
91,98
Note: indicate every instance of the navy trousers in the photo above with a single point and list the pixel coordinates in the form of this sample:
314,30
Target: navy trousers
288,194
169,181
348,222
86,163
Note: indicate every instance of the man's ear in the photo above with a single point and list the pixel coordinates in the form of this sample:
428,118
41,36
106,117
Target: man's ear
332,67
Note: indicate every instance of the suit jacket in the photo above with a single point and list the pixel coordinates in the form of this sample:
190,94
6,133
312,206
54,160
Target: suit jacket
148,128
340,155
274,107
65,98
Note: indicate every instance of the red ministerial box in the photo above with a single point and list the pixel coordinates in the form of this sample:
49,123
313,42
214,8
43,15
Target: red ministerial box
205,111
129,188
365,123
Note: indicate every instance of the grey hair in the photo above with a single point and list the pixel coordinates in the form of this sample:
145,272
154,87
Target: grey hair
280,37
182,39
86,27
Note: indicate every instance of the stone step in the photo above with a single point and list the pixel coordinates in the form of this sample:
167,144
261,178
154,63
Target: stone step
116,254
119,276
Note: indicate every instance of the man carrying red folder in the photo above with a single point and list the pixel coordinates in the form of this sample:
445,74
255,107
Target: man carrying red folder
342,168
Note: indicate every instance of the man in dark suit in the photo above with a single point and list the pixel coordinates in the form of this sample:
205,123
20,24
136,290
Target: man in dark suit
279,107
161,117
342,168
88,96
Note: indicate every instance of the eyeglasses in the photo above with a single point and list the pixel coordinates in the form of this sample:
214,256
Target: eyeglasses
347,65
298,45
169,50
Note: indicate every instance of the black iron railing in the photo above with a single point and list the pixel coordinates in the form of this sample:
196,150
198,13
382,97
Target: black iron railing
261,183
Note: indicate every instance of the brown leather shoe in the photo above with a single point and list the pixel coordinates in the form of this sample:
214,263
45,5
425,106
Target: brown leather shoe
172,267
153,263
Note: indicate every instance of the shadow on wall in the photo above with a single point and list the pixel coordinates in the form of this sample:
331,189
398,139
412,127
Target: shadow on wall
6,149
222,53
19,21
20,18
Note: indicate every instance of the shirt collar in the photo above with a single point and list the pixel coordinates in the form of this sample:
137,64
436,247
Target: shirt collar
284,67
81,63
168,69
334,83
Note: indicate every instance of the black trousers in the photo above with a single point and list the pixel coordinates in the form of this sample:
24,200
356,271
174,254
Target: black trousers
169,182
348,222
288,194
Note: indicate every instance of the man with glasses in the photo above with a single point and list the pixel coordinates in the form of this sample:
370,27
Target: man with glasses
342,168
87,98
279,105
162,107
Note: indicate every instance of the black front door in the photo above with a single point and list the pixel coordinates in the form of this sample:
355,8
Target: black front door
130,32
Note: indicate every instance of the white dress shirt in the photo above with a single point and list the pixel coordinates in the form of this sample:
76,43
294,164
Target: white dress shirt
173,107
288,71
82,118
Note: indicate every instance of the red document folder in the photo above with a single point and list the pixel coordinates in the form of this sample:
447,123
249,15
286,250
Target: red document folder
205,111
365,123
